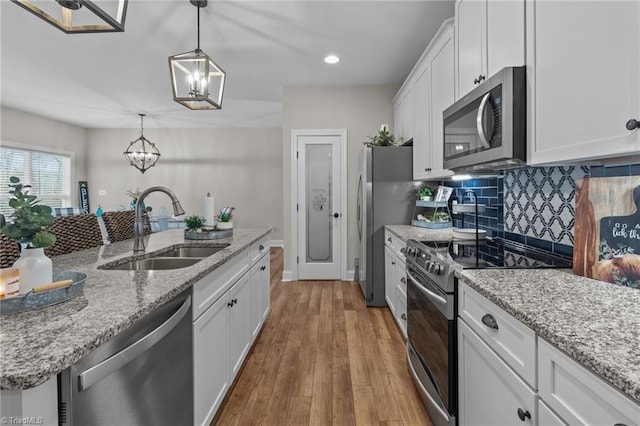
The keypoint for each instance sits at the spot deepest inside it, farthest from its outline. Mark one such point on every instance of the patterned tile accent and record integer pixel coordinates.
(539, 202)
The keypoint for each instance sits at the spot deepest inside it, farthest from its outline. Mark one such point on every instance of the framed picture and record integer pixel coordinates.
(443, 194)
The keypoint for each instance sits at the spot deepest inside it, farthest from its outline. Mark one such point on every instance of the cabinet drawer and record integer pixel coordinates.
(210, 288)
(395, 243)
(546, 416)
(401, 311)
(579, 396)
(258, 249)
(513, 341)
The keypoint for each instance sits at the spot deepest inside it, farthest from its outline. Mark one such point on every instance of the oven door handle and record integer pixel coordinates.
(428, 293)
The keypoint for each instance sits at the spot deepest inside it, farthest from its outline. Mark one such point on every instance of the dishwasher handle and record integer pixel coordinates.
(116, 361)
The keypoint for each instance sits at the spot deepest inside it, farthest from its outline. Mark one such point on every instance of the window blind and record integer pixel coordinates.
(48, 173)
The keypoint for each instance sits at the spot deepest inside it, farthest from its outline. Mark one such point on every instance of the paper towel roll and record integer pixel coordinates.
(209, 212)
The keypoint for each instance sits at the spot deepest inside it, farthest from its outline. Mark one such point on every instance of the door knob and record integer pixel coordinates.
(336, 215)
(633, 124)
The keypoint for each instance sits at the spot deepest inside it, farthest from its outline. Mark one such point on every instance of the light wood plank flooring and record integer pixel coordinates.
(323, 358)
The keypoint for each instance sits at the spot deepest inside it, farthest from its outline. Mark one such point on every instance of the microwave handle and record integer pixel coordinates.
(480, 121)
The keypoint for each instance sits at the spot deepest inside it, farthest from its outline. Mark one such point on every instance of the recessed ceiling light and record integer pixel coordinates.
(332, 59)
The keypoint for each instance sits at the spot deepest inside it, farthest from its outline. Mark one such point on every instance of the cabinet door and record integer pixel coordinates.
(211, 379)
(584, 79)
(578, 395)
(422, 136)
(442, 96)
(401, 298)
(407, 115)
(239, 324)
(490, 393)
(389, 278)
(505, 34)
(471, 39)
(546, 416)
(260, 294)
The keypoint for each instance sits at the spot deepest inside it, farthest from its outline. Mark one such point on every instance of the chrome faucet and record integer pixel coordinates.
(138, 224)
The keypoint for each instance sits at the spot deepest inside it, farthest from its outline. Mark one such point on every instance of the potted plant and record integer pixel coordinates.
(194, 223)
(224, 218)
(28, 226)
(383, 138)
(425, 193)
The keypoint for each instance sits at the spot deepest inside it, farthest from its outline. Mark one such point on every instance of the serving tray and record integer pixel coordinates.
(207, 235)
(31, 300)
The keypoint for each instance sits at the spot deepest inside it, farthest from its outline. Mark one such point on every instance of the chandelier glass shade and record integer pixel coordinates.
(197, 81)
(142, 153)
(79, 16)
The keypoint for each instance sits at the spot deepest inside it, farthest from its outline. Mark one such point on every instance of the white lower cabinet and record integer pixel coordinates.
(232, 303)
(490, 393)
(579, 396)
(546, 416)
(496, 359)
(260, 293)
(239, 324)
(395, 280)
(211, 380)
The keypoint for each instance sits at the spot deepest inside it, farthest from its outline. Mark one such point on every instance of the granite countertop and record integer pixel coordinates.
(596, 323)
(37, 345)
(408, 232)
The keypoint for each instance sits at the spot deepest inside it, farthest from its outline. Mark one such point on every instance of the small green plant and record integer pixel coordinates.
(440, 217)
(424, 191)
(194, 222)
(383, 138)
(30, 219)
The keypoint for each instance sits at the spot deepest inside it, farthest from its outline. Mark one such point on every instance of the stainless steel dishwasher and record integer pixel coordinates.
(143, 376)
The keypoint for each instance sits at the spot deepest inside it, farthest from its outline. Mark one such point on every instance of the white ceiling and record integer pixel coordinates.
(105, 80)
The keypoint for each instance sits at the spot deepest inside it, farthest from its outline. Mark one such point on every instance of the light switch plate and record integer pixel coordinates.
(102, 192)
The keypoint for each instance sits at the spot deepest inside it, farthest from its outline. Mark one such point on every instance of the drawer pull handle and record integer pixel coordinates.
(403, 280)
(403, 250)
(404, 317)
(261, 247)
(262, 268)
(393, 262)
(523, 415)
(389, 239)
(490, 321)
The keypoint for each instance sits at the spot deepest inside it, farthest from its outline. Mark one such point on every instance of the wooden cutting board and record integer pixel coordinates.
(607, 229)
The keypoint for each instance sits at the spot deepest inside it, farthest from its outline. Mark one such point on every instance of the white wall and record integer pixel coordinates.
(360, 110)
(239, 167)
(38, 131)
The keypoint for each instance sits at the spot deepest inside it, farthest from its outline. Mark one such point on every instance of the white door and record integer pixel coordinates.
(319, 204)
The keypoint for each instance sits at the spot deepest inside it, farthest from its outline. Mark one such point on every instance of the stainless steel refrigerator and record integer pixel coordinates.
(386, 196)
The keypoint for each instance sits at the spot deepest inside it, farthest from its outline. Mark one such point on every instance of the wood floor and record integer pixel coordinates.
(323, 358)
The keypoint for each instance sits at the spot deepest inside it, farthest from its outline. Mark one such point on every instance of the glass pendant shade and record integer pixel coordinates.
(142, 153)
(197, 81)
(79, 16)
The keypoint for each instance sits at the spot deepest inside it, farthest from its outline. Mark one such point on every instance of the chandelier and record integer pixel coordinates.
(142, 153)
(80, 16)
(197, 82)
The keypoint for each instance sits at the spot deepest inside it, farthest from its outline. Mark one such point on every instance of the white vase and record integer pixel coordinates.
(35, 268)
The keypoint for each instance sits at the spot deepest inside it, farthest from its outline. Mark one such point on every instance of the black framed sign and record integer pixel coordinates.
(83, 193)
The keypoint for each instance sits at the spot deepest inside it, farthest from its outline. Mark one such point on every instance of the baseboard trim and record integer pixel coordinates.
(287, 275)
(277, 243)
(350, 275)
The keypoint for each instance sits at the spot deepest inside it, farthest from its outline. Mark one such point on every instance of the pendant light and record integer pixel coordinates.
(80, 16)
(142, 153)
(197, 82)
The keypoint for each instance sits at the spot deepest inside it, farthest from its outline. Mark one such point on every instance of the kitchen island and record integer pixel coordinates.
(35, 346)
(595, 323)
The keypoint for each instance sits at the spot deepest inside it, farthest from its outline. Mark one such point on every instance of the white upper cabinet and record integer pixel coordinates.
(490, 35)
(403, 114)
(583, 78)
(433, 90)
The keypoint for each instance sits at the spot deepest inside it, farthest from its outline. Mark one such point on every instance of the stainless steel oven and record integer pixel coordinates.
(431, 330)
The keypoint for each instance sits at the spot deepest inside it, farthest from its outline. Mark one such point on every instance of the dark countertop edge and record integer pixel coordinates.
(36, 378)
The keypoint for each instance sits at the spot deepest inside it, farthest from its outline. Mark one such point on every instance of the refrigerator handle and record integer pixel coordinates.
(359, 206)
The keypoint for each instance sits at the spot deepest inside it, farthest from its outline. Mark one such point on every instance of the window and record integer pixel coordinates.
(48, 173)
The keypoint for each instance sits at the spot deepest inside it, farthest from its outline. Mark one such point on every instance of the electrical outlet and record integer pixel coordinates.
(102, 192)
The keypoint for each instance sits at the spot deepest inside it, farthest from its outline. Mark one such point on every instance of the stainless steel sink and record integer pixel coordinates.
(155, 264)
(192, 251)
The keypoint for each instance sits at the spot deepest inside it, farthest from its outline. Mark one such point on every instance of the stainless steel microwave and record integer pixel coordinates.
(486, 129)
